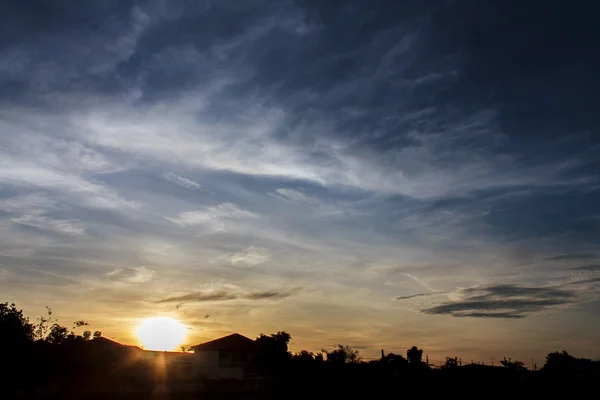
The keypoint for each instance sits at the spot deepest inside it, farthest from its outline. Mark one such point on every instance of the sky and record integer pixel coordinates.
(379, 174)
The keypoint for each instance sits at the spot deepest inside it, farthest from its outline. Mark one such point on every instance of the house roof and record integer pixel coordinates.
(102, 341)
(231, 342)
(110, 345)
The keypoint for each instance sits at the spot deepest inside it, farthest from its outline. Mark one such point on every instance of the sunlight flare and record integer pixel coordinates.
(161, 333)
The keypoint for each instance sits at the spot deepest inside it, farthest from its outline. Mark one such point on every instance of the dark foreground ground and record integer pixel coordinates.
(360, 381)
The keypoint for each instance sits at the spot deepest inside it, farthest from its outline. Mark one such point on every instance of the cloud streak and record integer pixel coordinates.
(412, 296)
(135, 275)
(65, 227)
(214, 217)
(181, 181)
(504, 301)
(569, 257)
(223, 295)
(251, 256)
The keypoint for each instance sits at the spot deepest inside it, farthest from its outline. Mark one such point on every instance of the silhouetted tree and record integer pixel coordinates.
(342, 355)
(304, 356)
(414, 355)
(87, 335)
(395, 360)
(16, 341)
(15, 329)
(275, 343)
(451, 362)
(559, 358)
(97, 335)
(58, 334)
(272, 351)
(44, 324)
(305, 362)
(559, 361)
(514, 365)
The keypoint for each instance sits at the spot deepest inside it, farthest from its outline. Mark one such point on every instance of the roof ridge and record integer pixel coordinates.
(231, 341)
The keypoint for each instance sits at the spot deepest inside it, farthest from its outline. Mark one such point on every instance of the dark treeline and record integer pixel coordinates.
(46, 360)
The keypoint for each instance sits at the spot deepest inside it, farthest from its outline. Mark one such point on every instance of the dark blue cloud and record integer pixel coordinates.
(504, 301)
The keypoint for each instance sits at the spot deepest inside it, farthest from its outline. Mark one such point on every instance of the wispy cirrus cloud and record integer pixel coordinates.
(141, 275)
(293, 195)
(181, 181)
(214, 216)
(590, 267)
(64, 185)
(31, 202)
(5, 274)
(135, 275)
(251, 256)
(573, 257)
(62, 226)
(335, 164)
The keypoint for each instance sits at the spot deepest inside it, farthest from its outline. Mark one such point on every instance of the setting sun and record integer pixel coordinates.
(161, 333)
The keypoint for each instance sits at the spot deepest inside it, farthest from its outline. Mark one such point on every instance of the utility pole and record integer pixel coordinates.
(427, 360)
(493, 361)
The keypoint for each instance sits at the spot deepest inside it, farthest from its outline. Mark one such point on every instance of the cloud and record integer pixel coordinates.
(60, 169)
(65, 185)
(114, 272)
(251, 256)
(270, 294)
(214, 217)
(412, 296)
(218, 295)
(293, 195)
(420, 282)
(194, 145)
(5, 274)
(570, 256)
(591, 267)
(68, 227)
(181, 181)
(31, 202)
(213, 214)
(499, 315)
(588, 280)
(504, 301)
(138, 275)
(200, 297)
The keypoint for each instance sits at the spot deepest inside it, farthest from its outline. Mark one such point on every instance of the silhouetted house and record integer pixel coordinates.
(110, 345)
(229, 357)
(107, 349)
(178, 366)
